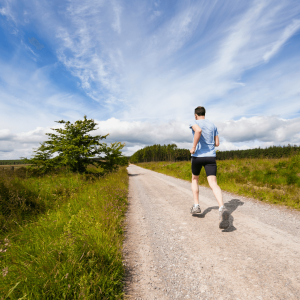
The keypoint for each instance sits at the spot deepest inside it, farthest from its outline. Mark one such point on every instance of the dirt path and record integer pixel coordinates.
(173, 255)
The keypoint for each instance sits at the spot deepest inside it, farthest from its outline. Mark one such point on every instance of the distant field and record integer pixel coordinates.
(15, 166)
(271, 180)
(11, 162)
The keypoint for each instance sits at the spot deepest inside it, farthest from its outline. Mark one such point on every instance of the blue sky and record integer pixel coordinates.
(139, 68)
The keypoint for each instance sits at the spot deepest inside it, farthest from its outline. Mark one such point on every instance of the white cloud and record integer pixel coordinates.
(176, 32)
(244, 133)
(3, 11)
(6, 148)
(128, 151)
(144, 133)
(155, 14)
(5, 134)
(174, 84)
(28, 98)
(117, 12)
(199, 52)
(288, 32)
(30, 50)
(6, 11)
(270, 129)
(33, 136)
(265, 129)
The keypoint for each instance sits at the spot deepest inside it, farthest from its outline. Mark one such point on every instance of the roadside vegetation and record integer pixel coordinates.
(71, 146)
(61, 235)
(61, 218)
(271, 180)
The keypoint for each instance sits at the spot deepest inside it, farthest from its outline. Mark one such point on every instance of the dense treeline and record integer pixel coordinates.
(270, 152)
(172, 153)
(160, 153)
(13, 162)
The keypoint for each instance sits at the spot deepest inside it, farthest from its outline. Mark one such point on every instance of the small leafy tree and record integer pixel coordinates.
(113, 156)
(73, 147)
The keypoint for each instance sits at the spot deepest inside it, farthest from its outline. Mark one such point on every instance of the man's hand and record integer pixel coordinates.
(193, 150)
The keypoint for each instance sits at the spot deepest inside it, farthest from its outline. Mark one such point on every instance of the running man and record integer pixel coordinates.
(204, 155)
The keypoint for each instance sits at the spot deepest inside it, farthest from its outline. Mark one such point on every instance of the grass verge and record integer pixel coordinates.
(70, 246)
(271, 180)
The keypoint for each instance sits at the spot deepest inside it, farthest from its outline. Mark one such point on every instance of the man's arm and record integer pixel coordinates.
(197, 135)
(217, 142)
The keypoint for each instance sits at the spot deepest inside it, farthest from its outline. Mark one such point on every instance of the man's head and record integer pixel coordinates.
(200, 112)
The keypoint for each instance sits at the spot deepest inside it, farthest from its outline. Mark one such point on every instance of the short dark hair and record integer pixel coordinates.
(200, 111)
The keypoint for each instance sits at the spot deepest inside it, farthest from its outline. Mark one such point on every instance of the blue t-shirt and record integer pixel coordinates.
(206, 144)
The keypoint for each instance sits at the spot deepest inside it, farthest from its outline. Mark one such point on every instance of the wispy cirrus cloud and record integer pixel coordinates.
(144, 65)
(189, 56)
(289, 31)
(5, 10)
(116, 25)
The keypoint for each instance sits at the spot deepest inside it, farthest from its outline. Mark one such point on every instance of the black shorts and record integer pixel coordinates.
(209, 164)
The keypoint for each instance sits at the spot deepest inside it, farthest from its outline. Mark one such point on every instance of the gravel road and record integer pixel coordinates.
(170, 254)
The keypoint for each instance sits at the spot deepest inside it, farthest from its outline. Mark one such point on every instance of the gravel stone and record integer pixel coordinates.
(170, 254)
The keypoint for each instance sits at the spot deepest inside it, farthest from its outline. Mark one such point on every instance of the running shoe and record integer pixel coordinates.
(195, 209)
(224, 218)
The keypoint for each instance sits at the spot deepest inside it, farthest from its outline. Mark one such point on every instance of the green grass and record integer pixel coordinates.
(271, 180)
(67, 236)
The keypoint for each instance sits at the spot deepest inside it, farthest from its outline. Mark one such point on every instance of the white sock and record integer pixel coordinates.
(195, 205)
(220, 209)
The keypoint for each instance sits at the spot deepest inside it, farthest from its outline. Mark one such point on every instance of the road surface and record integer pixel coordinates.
(170, 254)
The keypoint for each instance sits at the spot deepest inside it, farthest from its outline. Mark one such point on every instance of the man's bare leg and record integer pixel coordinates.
(223, 212)
(212, 181)
(195, 188)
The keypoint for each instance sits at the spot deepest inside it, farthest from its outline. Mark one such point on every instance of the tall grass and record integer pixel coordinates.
(23, 196)
(66, 242)
(271, 180)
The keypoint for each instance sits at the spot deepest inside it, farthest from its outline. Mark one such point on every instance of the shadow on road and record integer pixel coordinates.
(206, 211)
(134, 174)
(232, 205)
